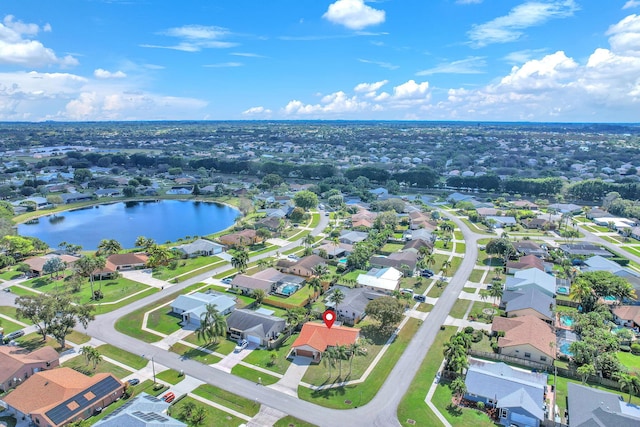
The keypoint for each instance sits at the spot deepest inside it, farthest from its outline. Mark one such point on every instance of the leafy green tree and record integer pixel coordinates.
(458, 387)
(17, 247)
(67, 316)
(82, 175)
(585, 371)
(305, 199)
(630, 382)
(259, 296)
(187, 410)
(53, 265)
(39, 309)
(240, 259)
(87, 266)
(386, 310)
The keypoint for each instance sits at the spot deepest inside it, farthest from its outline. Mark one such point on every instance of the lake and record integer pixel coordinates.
(165, 220)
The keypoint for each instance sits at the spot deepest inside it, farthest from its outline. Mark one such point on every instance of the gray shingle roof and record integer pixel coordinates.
(529, 298)
(258, 323)
(591, 407)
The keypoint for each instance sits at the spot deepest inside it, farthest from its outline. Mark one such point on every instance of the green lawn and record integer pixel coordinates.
(9, 326)
(437, 289)
(253, 375)
(78, 337)
(192, 353)
(224, 346)
(456, 415)
(11, 312)
(113, 290)
(483, 345)
(79, 363)
(479, 316)
(106, 308)
(214, 417)
(33, 341)
(561, 391)
(424, 307)
(232, 401)
(469, 290)
(262, 358)
(460, 248)
(185, 266)
(170, 376)
(460, 308)
(164, 320)
(390, 248)
(298, 299)
(458, 235)
(356, 395)
(412, 406)
(136, 361)
(630, 361)
(476, 276)
(10, 275)
(17, 290)
(290, 421)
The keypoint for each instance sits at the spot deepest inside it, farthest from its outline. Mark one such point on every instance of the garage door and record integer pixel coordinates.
(254, 339)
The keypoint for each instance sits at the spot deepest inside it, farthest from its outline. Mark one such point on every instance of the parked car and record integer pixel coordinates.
(134, 381)
(406, 291)
(427, 273)
(169, 397)
(242, 344)
(227, 280)
(420, 298)
(293, 257)
(13, 336)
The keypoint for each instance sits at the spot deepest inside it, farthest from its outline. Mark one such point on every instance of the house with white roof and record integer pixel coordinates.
(381, 279)
(192, 306)
(200, 247)
(532, 277)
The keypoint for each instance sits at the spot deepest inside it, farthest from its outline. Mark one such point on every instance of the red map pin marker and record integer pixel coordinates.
(329, 317)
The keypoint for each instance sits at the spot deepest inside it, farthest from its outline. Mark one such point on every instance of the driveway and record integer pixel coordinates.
(293, 377)
(144, 276)
(233, 358)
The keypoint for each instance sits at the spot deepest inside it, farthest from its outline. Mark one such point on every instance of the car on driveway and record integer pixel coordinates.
(169, 397)
(293, 257)
(242, 344)
(133, 381)
(406, 291)
(13, 336)
(420, 298)
(426, 273)
(227, 280)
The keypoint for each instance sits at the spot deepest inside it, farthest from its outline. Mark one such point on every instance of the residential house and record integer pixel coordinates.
(458, 197)
(181, 189)
(419, 220)
(305, 266)
(403, 261)
(529, 301)
(563, 208)
(334, 251)
(362, 224)
(525, 262)
(192, 306)
(621, 225)
(108, 192)
(524, 204)
(596, 213)
(353, 308)
(200, 247)
(18, 364)
(532, 277)
(384, 280)
(60, 396)
(501, 221)
(315, 338)
(584, 249)
(36, 264)
(591, 407)
(539, 224)
(518, 395)
(419, 234)
(68, 198)
(599, 263)
(527, 247)
(627, 315)
(142, 410)
(241, 238)
(483, 213)
(39, 202)
(635, 233)
(416, 244)
(247, 284)
(379, 192)
(526, 337)
(352, 237)
(121, 262)
(271, 223)
(257, 327)
(364, 214)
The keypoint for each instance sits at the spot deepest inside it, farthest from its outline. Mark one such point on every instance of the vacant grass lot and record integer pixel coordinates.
(33, 341)
(630, 361)
(290, 421)
(185, 266)
(136, 361)
(113, 290)
(224, 346)
(10, 275)
(192, 353)
(79, 363)
(412, 406)
(232, 401)
(9, 326)
(356, 395)
(11, 312)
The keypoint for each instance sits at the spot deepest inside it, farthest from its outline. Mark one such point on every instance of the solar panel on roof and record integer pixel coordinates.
(101, 389)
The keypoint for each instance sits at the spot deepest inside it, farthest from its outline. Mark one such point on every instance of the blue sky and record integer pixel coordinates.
(498, 60)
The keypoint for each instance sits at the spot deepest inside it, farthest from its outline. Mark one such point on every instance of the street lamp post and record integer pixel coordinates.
(153, 368)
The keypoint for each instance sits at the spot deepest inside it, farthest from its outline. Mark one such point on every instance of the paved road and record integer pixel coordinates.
(592, 238)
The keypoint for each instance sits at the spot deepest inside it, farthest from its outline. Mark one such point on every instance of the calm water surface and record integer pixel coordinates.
(125, 221)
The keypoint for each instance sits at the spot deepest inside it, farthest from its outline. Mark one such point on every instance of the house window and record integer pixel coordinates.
(527, 355)
(543, 358)
(503, 413)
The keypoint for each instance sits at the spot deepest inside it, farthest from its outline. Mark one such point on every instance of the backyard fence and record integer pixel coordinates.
(510, 359)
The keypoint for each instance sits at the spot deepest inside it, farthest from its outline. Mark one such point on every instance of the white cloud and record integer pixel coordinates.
(224, 65)
(369, 87)
(63, 96)
(471, 65)
(254, 111)
(625, 35)
(522, 56)
(630, 4)
(194, 38)
(15, 49)
(104, 74)
(353, 14)
(386, 65)
(510, 27)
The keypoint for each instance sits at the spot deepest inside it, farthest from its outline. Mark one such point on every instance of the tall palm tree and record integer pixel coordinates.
(87, 266)
(336, 297)
(430, 260)
(630, 382)
(446, 265)
(458, 387)
(315, 284)
(264, 263)
(328, 357)
(108, 247)
(240, 260)
(582, 292)
(496, 291)
(259, 295)
(342, 353)
(159, 255)
(355, 349)
(309, 240)
(212, 325)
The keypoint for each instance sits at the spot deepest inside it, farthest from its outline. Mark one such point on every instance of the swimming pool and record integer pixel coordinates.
(563, 290)
(288, 289)
(564, 349)
(342, 260)
(566, 321)
(610, 298)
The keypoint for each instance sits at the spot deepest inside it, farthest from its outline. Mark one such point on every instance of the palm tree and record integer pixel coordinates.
(87, 352)
(108, 247)
(446, 265)
(355, 349)
(336, 297)
(341, 353)
(430, 260)
(320, 270)
(259, 296)
(328, 356)
(309, 240)
(458, 387)
(315, 284)
(424, 251)
(159, 255)
(144, 242)
(212, 325)
(87, 266)
(264, 263)
(582, 292)
(187, 409)
(630, 382)
(293, 318)
(240, 260)
(496, 291)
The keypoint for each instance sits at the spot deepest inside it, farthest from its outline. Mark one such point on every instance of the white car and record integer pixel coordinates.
(241, 345)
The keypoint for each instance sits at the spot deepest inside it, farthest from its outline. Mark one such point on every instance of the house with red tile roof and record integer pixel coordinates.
(527, 261)
(36, 263)
(241, 238)
(63, 395)
(315, 338)
(122, 262)
(527, 338)
(18, 364)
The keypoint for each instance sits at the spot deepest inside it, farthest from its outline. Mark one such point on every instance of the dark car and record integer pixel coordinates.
(420, 298)
(134, 381)
(427, 273)
(13, 336)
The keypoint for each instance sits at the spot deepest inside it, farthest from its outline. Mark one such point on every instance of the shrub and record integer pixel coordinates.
(480, 406)
(635, 348)
(477, 336)
(625, 348)
(494, 346)
(468, 330)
